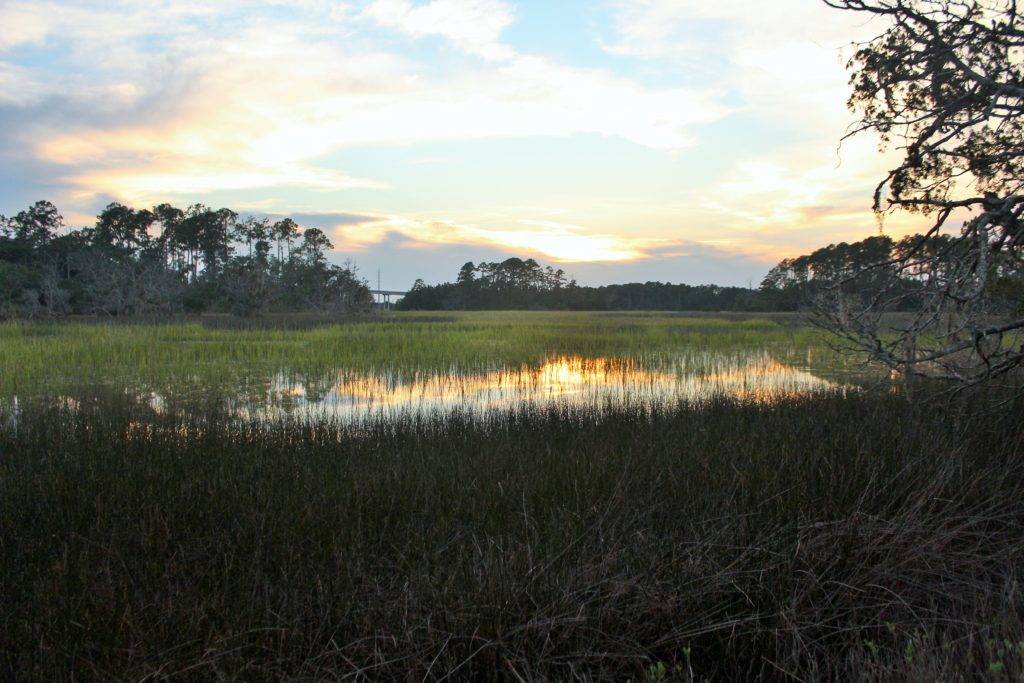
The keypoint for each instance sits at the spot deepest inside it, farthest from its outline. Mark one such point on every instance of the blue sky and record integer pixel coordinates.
(622, 140)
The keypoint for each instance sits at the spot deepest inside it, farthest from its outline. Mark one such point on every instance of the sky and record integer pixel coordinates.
(621, 140)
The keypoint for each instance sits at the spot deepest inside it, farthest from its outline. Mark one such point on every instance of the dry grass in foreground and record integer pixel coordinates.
(830, 537)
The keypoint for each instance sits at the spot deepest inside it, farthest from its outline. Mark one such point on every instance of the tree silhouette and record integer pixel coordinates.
(944, 85)
(164, 261)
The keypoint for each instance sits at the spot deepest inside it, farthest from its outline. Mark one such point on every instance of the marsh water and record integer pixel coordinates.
(564, 380)
(560, 380)
(171, 375)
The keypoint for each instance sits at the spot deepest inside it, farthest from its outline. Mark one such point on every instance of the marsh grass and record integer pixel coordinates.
(44, 358)
(832, 536)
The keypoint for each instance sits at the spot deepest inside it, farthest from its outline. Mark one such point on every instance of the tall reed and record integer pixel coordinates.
(832, 536)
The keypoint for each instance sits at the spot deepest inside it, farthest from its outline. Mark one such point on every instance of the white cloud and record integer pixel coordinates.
(784, 62)
(262, 104)
(474, 26)
(785, 204)
(558, 242)
(785, 58)
(20, 25)
(655, 28)
(161, 99)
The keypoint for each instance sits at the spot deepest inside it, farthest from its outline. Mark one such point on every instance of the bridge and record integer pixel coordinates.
(384, 300)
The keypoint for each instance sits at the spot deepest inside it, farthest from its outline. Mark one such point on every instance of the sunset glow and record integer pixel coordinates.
(686, 140)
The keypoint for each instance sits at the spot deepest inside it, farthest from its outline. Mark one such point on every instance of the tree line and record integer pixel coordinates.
(517, 283)
(890, 275)
(861, 269)
(165, 261)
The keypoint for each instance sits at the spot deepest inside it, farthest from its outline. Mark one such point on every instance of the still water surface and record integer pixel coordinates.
(564, 380)
(561, 380)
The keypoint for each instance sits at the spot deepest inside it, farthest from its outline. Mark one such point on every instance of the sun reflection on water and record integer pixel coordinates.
(592, 384)
(572, 380)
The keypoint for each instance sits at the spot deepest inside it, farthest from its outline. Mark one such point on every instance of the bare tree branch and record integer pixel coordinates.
(944, 85)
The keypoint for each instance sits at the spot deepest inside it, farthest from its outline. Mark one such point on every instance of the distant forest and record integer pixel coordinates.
(859, 268)
(165, 261)
(524, 284)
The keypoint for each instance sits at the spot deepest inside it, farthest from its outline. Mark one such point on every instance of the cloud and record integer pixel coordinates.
(392, 242)
(474, 26)
(170, 100)
(656, 28)
(401, 261)
(683, 262)
(790, 75)
(259, 103)
(19, 25)
(784, 204)
(560, 242)
(791, 69)
(332, 220)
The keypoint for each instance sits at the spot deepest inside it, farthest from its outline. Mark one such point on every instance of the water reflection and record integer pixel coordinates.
(573, 380)
(354, 396)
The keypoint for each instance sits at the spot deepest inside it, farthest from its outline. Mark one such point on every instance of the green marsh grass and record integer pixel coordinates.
(46, 357)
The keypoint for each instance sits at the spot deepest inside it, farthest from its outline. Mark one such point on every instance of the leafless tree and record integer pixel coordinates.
(942, 84)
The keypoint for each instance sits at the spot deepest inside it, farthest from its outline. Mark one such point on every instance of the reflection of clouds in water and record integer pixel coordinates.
(570, 380)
